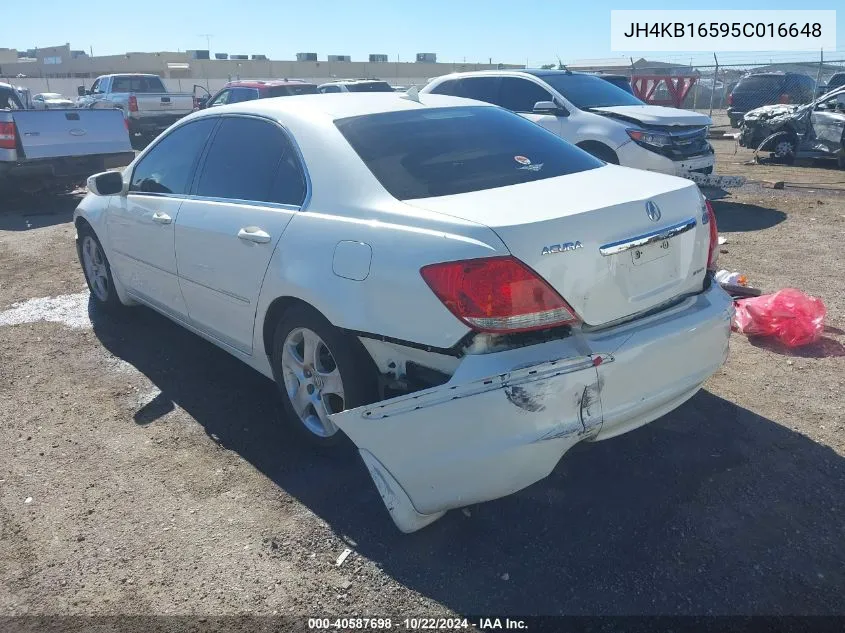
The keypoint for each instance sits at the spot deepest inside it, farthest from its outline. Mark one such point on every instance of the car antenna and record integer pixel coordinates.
(562, 66)
(412, 94)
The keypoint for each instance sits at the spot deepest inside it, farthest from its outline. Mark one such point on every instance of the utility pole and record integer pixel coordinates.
(819, 74)
(715, 77)
(207, 37)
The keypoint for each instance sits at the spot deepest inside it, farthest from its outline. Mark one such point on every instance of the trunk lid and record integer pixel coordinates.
(656, 115)
(578, 232)
(79, 132)
(157, 102)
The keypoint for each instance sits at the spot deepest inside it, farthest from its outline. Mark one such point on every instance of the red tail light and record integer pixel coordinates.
(713, 252)
(784, 98)
(133, 103)
(731, 99)
(497, 294)
(8, 135)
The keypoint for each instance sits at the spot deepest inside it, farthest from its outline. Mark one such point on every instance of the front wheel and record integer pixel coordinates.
(319, 371)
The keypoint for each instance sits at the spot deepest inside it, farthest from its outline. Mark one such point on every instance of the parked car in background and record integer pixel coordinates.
(759, 89)
(595, 115)
(398, 267)
(814, 130)
(149, 107)
(247, 90)
(837, 80)
(48, 100)
(54, 150)
(356, 85)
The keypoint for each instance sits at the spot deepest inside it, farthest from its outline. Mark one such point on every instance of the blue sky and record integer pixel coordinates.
(454, 29)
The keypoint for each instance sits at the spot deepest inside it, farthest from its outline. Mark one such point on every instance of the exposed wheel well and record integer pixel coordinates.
(274, 313)
(81, 222)
(600, 150)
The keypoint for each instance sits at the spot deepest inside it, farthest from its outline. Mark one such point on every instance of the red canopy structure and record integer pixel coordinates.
(665, 90)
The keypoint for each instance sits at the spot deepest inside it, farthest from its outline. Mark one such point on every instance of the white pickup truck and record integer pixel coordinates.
(149, 107)
(56, 150)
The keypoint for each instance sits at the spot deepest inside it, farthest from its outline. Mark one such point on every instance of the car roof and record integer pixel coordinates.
(269, 83)
(355, 81)
(339, 106)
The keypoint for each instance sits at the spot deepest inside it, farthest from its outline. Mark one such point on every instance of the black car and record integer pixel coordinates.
(620, 81)
(761, 89)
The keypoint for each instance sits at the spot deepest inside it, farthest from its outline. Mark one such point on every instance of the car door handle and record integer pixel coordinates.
(162, 218)
(254, 234)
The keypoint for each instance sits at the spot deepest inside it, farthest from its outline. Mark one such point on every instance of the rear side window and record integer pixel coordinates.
(520, 95)
(289, 91)
(168, 166)
(370, 86)
(479, 88)
(252, 159)
(243, 94)
(327, 89)
(443, 151)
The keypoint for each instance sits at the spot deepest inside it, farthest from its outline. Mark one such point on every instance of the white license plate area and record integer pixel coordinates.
(648, 253)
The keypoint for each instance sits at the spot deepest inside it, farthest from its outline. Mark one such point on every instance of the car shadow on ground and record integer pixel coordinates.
(24, 213)
(712, 509)
(739, 217)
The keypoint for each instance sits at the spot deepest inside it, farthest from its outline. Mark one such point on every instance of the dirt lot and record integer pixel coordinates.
(144, 471)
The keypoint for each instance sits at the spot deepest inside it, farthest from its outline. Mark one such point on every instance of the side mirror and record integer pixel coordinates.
(550, 107)
(107, 183)
(81, 91)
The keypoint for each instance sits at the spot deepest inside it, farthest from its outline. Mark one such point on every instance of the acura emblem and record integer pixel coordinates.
(77, 131)
(652, 211)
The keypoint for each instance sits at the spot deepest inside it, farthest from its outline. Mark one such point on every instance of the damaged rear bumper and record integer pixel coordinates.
(504, 419)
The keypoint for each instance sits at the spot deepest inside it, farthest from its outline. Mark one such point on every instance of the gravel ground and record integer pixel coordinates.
(144, 471)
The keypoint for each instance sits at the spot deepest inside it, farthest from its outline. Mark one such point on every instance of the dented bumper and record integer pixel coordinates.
(504, 419)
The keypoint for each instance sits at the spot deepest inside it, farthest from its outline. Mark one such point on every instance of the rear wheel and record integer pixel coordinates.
(319, 371)
(97, 270)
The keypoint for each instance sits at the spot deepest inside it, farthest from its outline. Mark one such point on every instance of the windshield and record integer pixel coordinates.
(589, 91)
(137, 84)
(444, 151)
(370, 86)
(291, 90)
(759, 82)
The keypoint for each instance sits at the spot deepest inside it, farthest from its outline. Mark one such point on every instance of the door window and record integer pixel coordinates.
(480, 88)
(326, 89)
(168, 166)
(252, 159)
(221, 99)
(243, 94)
(520, 95)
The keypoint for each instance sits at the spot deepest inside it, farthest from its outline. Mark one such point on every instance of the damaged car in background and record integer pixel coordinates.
(459, 293)
(810, 131)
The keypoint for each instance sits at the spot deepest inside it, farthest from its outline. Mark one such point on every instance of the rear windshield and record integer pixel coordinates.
(137, 84)
(759, 82)
(443, 151)
(370, 86)
(589, 91)
(289, 91)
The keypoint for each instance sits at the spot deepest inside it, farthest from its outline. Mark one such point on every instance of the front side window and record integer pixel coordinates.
(520, 95)
(444, 151)
(589, 91)
(326, 89)
(292, 90)
(221, 99)
(479, 88)
(168, 166)
(252, 159)
(243, 94)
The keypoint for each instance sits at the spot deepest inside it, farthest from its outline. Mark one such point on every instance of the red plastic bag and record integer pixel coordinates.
(794, 318)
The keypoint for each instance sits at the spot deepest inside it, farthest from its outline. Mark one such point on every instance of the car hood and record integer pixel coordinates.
(58, 101)
(655, 115)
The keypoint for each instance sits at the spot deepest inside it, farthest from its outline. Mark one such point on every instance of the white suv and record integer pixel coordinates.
(594, 114)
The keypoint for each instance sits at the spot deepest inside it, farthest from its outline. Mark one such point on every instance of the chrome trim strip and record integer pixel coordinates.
(648, 238)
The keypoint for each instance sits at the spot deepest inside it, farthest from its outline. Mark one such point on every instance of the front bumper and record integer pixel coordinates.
(632, 155)
(504, 419)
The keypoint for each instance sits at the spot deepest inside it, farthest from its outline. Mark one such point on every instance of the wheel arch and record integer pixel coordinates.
(602, 148)
(274, 313)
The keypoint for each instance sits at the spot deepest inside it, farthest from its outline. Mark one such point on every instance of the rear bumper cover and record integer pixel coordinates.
(505, 419)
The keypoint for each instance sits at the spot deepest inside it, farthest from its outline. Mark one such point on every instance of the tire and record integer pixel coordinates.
(601, 151)
(338, 375)
(97, 270)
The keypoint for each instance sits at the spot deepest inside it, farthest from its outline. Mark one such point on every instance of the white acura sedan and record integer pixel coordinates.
(460, 292)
